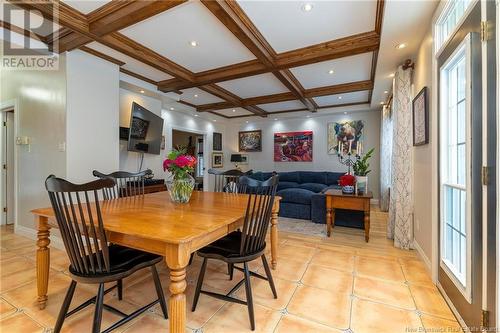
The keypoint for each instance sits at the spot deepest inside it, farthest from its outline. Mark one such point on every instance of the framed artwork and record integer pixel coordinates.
(341, 134)
(217, 141)
(250, 141)
(244, 159)
(293, 146)
(217, 160)
(420, 118)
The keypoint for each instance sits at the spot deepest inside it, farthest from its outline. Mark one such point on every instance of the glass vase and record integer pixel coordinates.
(180, 189)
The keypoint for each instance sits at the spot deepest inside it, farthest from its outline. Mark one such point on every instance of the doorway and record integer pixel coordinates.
(8, 168)
(193, 143)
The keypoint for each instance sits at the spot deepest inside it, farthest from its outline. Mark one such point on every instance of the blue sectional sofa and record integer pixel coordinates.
(302, 196)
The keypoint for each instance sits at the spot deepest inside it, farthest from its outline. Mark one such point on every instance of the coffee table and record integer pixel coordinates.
(335, 199)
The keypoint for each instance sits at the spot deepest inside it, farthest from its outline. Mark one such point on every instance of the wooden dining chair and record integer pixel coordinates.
(241, 247)
(92, 260)
(127, 184)
(226, 181)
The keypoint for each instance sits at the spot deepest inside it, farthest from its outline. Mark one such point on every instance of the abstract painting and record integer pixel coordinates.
(420, 119)
(344, 132)
(250, 140)
(293, 146)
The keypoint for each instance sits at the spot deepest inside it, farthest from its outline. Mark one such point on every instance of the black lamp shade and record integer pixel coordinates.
(236, 158)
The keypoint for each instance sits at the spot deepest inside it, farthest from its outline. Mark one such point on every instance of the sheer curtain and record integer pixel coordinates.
(385, 157)
(400, 226)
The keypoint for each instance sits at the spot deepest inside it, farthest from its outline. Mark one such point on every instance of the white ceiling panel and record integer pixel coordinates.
(252, 86)
(348, 69)
(286, 26)
(353, 97)
(131, 64)
(16, 17)
(171, 32)
(86, 6)
(281, 106)
(234, 112)
(197, 96)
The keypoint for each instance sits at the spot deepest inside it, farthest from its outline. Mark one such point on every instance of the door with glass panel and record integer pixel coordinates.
(460, 160)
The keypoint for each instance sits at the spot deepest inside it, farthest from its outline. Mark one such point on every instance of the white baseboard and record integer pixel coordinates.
(422, 255)
(374, 201)
(453, 308)
(30, 233)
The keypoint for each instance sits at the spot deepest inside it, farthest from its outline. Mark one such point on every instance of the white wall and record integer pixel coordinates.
(263, 161)
(91, 116)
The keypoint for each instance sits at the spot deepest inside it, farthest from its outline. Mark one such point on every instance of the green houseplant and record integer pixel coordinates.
(361, 170)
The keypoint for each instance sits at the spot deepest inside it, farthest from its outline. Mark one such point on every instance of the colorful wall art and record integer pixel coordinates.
(293, 146)
(250, 140)
(344, 136)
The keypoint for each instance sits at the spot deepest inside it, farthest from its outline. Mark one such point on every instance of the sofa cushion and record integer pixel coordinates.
(289, 177)
(261, 176)
(332, 178)
(295, 195)
(313, 177)
(285, 185)
(314, 187)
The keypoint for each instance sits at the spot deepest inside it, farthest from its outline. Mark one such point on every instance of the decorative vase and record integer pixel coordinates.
(348, 189)
(180, 189)
(361, 184)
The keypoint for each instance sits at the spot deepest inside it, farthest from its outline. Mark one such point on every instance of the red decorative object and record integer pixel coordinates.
(347, 180)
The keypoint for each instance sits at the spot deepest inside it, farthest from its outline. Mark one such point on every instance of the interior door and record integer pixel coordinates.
(9, 180)
(460, 162)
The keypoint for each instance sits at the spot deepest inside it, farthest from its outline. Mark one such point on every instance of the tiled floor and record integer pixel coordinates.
(341, 284)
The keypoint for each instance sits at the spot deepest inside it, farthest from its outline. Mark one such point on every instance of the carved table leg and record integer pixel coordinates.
(42, 260)
(328, 221)
(177, 258)
(274, 240)
(367, 226)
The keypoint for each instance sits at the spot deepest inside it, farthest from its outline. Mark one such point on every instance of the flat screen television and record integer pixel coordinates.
(145, 132)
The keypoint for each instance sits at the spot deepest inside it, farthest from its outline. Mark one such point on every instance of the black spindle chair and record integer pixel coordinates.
(226, 181)
(127, 184)
(245, 245)
(92, 260)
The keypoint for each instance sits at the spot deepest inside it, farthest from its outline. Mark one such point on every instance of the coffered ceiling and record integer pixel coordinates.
(232, 58)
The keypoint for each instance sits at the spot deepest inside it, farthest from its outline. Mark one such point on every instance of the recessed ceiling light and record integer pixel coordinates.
(307, 7)
(142, 91)
(246, 121)
(275, 119)
(193, 43)
(171, 109)
(308, 116)
(340, 97)
(195, 95)
(401, 46)
(386, 92)
(391, 75)
(234, 110)
(345, 112)
(196, 115)
(215, 120)
(381, 103)
(330, 71)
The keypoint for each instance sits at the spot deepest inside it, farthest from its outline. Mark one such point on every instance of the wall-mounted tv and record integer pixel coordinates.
(145, 132)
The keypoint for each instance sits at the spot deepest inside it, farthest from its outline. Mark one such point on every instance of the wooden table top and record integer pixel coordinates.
(155, 216)
(338, 193)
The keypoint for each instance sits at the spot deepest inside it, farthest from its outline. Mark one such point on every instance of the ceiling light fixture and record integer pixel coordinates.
(196, 115)
(401, 46)
(330, 71)
(193, 43)
(307, 7)
(275, 119)
(345, 112)
(234, 110)
(340, 97)
(381, 103)
(246, 121)
(391, 75)
(195, 96)
(142, 91)
(215, 119)
(171, 109)
(386, 92)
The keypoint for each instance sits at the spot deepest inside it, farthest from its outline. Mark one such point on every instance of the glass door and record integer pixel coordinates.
(460, 161)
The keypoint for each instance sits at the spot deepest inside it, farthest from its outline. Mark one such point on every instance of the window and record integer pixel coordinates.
(449, 20)
(455, 170)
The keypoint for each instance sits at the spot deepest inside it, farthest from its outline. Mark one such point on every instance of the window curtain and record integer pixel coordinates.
(400, 226)
(385, 157)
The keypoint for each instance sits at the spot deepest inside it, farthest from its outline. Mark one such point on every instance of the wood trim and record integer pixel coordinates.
(71, 41)
(379, 16)
(27, 33)
(230, 97)
(339, 88)
(187, 103)
(138, 76)
(102, 56)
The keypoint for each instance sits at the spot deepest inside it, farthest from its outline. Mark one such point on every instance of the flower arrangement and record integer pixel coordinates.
(347, 182)
(180, 183)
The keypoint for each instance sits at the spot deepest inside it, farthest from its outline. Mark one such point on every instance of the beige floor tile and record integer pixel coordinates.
(17, 242)
(218, 281)
(59, 260)
(6, 308)
(328, 278)
(430, 301)
(234, 318)
(263, 295)
(6, 255)
(18, 278)
(295, 252)
(369, 317)
(293, 324)
(415, 272)
(150, 323)
(206, 308)
(339, 260)
(288, 269)
(15, 265)
(379, 268)
(392, 293)
(20, 322)
(323, 306)
(435, 324)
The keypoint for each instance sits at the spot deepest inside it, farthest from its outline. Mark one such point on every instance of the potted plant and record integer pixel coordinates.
(361, 171)
(180, 183)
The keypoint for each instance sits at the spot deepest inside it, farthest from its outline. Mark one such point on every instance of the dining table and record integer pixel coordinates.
(153, 223)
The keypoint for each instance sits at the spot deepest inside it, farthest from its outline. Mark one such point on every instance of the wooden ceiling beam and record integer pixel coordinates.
(339, 88)
(231, 98)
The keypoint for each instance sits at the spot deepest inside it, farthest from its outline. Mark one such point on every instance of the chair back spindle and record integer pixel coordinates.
(226, 181)
(258, 212)
(127, 184)
(78, 215)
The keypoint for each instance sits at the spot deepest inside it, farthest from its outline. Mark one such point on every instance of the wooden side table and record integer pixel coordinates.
(336, 199)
